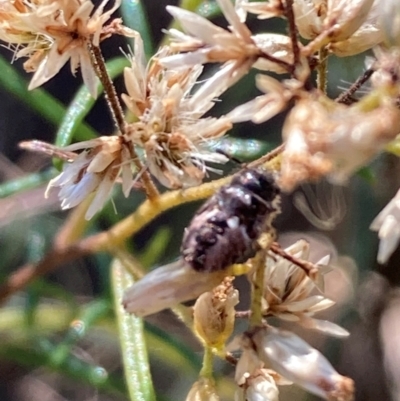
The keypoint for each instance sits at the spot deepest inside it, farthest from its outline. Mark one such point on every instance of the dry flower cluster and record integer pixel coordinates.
(175, 138)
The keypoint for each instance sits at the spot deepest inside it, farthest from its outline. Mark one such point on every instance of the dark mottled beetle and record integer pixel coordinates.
(225, 229)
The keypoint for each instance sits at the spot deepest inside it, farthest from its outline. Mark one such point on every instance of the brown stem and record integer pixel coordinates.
(322, 69)
(231, 359)
(287, 66)
(309, 268)
(117, 113)
(346, 97)
(28, 272)
(268, 157)
(292, 31)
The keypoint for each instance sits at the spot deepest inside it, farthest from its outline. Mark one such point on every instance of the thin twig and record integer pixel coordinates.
(268, 157)
(322, 69)
(99, 66)
(28, 272)
(346, 97)
(257, 288)
(287, 66)
(309, 268)
(231, 359)
(292, 32)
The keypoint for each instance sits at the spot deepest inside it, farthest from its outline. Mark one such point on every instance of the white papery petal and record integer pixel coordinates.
(347, 15)
(308, 19)
(73, 195)
(88, 75)
(102, 194)
(297, 361)
(310, 302)
(44, 73)
(185, 59)
(324, 326)
(232, 17)
(195, 25)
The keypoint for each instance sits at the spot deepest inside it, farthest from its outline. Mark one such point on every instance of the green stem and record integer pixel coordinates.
(134, 353)
(135, 17)
(257, 289)
(93, 312)
(208, 359)
(190, 5)
(26, 182)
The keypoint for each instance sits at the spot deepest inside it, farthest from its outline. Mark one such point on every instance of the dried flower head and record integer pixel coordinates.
(170, 128)
(346, 27)
(94, 170)
(203, 42)
(214, 314)
(51, 32)
(368, 35)
(288, 291)
(326, 137)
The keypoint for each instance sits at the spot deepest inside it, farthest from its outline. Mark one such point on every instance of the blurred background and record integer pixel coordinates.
(59, 338)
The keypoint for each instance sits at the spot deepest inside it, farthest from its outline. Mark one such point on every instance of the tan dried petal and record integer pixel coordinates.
(214, 314)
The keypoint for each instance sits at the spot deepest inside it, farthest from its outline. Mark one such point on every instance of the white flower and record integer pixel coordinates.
(208, 42)
(387, 223)
(170, 128)
(95, 170)
(288, 291)
(203, 42)
(291, 360)
(51, 32)
(297, 361)
(264, 107)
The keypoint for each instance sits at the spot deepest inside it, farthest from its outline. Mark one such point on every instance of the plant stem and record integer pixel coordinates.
(292, 32)
(257, 289)
(322, 69)
(346, 97)
(134, 352)
(207, 368)
(99, 66)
